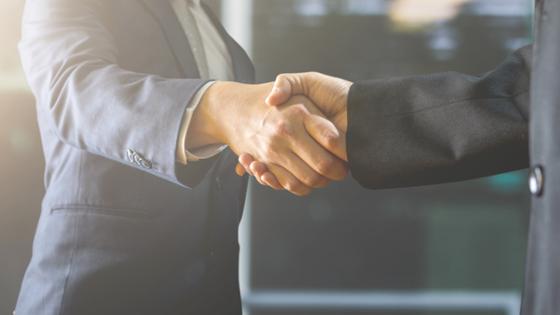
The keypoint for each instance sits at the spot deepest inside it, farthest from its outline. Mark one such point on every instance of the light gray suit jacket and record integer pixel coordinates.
(124, 229)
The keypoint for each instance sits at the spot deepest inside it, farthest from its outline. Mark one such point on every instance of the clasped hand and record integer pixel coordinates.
(308, 99)
(299, 147)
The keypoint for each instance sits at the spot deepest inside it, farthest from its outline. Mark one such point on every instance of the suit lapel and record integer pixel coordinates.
(163, 13)
(243, 68)
(242, 64)
(177, 40)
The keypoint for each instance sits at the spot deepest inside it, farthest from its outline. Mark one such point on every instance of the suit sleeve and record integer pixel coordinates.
(71, 63)
(440, 128)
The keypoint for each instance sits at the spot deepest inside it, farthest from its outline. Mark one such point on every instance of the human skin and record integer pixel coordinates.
(281, 136)
(330, 96)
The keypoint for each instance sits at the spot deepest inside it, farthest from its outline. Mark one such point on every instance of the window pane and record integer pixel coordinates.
(464, 237)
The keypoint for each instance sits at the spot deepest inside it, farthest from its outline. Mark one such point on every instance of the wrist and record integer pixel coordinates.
(224, 108)
(204, 126)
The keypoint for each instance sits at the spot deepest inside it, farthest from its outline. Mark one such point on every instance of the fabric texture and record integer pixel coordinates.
(541, 295)
(124, 229)
(440, 128)
(213, 61)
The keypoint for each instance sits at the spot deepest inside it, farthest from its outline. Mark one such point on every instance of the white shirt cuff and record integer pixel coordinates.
(183, 155)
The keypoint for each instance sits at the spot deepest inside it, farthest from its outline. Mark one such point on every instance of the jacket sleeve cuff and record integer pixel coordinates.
(183, 154)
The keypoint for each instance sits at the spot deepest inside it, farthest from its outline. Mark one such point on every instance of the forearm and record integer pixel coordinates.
(204, 128)
(89, 101)
(225, 109)
(235, 114)
(440, 128)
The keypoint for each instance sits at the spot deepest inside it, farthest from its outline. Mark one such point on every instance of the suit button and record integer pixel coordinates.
(536, 181)
(144, 163)
(130, 155)
(135, 158)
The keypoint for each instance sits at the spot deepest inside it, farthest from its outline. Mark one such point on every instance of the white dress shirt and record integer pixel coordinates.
(213, 61)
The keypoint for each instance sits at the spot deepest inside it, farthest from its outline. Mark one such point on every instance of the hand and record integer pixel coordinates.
(329, 93)
(235, 114)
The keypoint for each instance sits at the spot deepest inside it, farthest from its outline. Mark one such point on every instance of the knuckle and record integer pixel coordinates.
(304, 192)
(297, 187)
(312, 73)
(330, 139)
(291, 186)
(269, 150)
(324, 166)
(282, 77)
(281, 129)
(314, 180)
(258, 172)
(299, 109)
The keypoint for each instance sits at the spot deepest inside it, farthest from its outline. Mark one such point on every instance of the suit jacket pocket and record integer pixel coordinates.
(82, 209)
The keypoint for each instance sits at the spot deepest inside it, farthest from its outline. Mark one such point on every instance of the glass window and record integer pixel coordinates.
(447, 249)
(11, 76)
(21, 164)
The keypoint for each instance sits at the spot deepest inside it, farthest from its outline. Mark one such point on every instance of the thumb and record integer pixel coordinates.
(285, 86)
(327, 135)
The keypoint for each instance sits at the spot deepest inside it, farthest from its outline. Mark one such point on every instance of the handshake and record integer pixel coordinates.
(289, 135)
(314, 129)
(300, 144)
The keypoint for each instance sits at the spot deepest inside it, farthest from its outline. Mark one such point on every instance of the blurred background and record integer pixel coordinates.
(446, 249)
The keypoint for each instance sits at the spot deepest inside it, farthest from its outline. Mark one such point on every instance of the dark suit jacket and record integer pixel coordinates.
(439, 128)
(124, 229)
(449, 127)
(542, 280)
